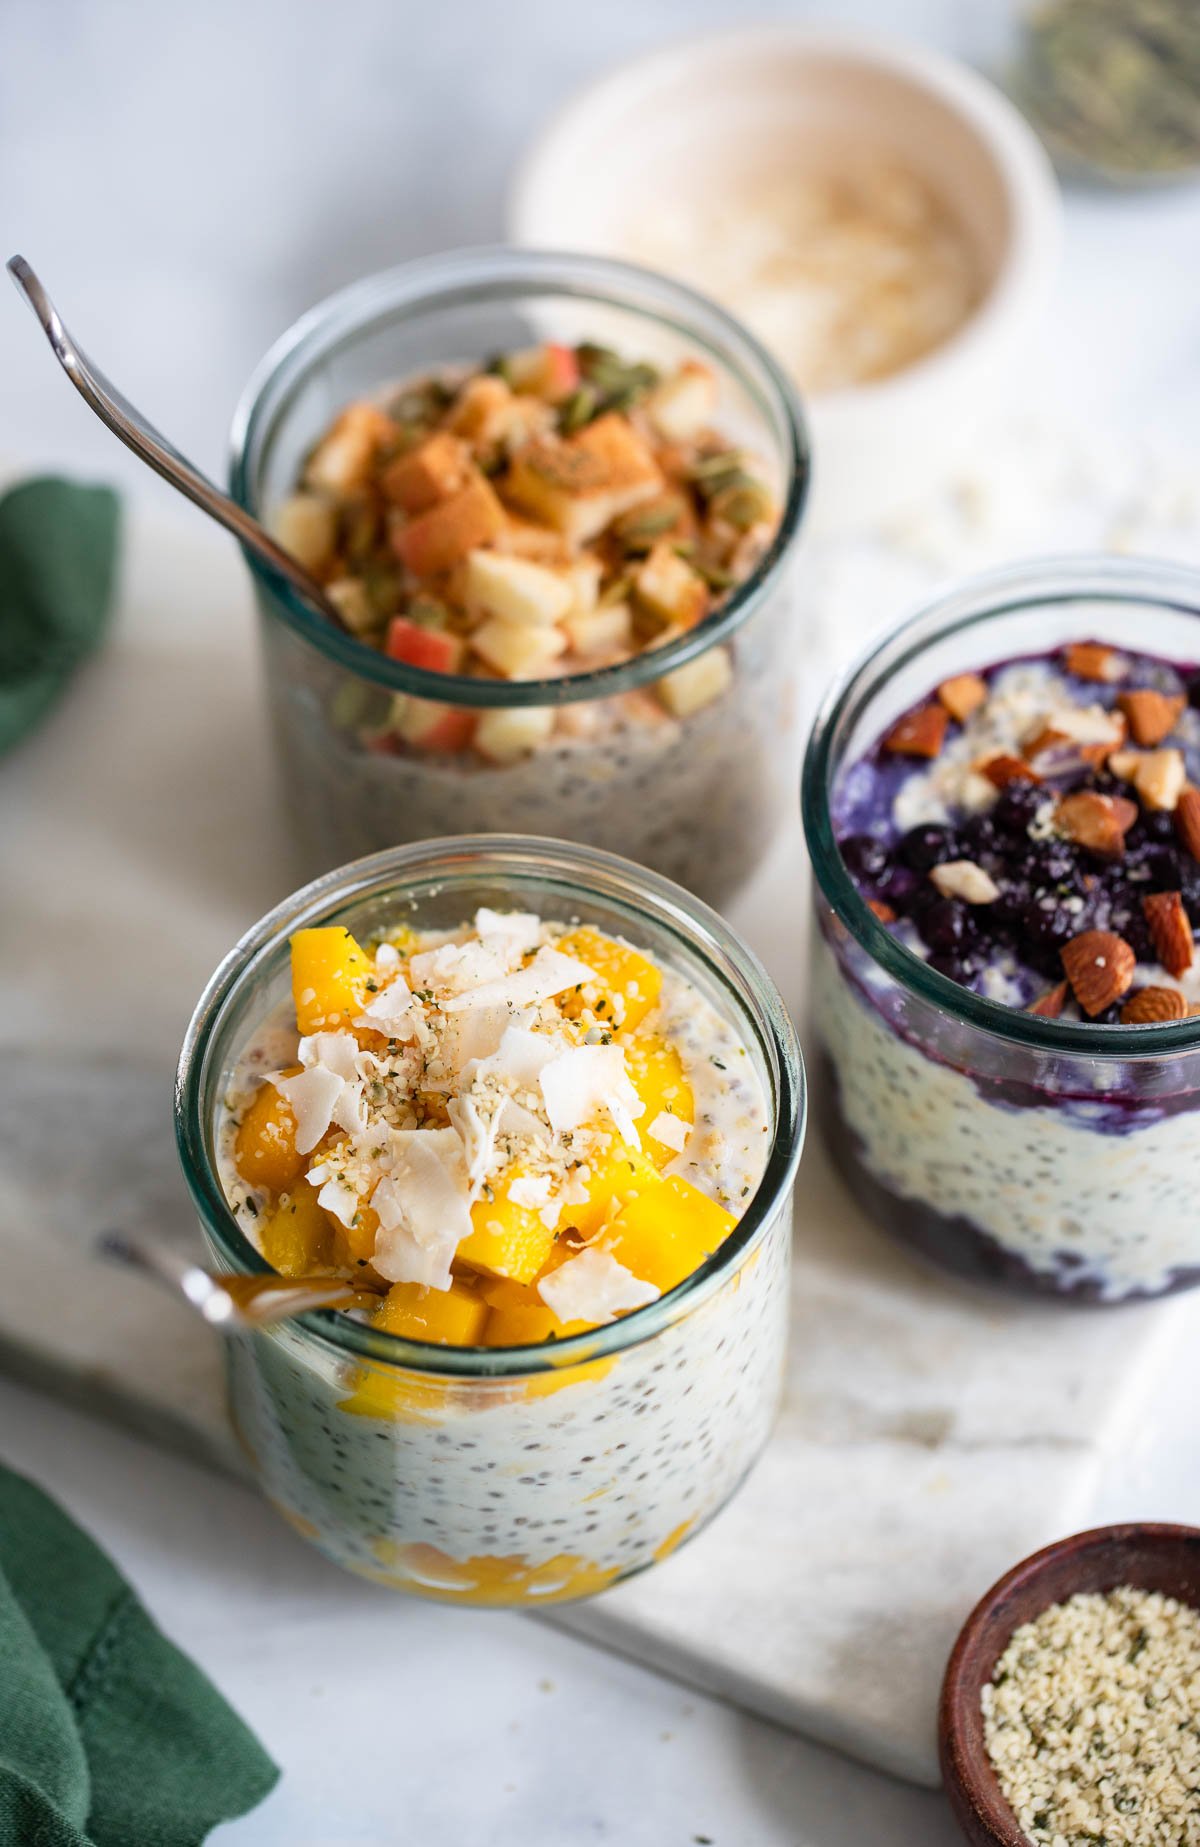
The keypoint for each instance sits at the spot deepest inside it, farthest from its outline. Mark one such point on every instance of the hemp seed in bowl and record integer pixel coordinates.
(1092, 1722)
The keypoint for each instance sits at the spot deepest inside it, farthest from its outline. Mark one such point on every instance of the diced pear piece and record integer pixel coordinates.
(683, 405)
(606, 630)
(344, 458)
(433, 471)
(517, 590)
(507, 736)
(483, 409)
(306, 526)
(696, 684)
(518, 653)
(669, 588)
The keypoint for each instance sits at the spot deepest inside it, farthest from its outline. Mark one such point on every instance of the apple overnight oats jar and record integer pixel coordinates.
(556, 499)
(1005, 836)
(547, 1112)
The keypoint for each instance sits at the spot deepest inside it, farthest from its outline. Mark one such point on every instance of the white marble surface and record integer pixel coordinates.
(292, 151)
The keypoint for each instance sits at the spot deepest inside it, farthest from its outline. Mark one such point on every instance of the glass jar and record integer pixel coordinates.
(522, 1475)
(1058, 1156)
(697, 798)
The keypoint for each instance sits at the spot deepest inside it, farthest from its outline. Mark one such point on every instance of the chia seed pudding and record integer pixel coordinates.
(562, 568)
(1010, 1080)
(524, 1141)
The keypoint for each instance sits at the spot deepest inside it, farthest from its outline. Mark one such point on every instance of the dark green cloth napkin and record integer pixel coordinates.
(109, 1737)
(58, 561)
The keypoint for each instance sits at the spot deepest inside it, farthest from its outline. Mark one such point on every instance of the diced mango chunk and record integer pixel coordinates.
(296, 1238)
(264, 1151)
(525, 1324)
(629, 985)
(612, 1178)
(451, 1317)
(656, 1073)
(508, 1240)
(665, 1232)
(328, 972)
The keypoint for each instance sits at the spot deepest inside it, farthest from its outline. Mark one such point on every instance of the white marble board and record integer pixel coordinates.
(930, 1435)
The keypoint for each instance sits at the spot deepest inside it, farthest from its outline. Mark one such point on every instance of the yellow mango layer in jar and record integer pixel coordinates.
(485, 1130)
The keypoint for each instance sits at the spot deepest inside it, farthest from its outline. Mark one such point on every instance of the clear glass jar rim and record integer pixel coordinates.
(1006, 591)
(478, 274)
(581, 869)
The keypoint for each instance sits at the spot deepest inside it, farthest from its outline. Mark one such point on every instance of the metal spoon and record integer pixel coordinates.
(233, 1304)
(124, 421)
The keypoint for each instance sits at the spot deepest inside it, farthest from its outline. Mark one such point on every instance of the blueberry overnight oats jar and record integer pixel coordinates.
(481, 1427)
(666, 730)
(1005, 837)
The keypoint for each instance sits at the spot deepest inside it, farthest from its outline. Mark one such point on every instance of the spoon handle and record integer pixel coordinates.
(232, 1304)
(114, 409)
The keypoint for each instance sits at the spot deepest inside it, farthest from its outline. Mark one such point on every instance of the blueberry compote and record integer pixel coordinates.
(1031, 831)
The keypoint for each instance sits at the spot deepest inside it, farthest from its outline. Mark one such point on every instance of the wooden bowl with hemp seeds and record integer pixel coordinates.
(1070, 1710)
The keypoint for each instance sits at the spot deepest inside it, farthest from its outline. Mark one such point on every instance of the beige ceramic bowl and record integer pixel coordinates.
(660, 130)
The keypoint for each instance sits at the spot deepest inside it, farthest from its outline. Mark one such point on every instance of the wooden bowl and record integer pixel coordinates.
(1149, 1557)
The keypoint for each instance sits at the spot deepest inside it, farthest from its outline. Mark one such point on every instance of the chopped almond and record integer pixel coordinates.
(1187, 821)
(1152, 716)
(1124, 764)
(918, 734)
(1049, 1005)
(1160, 778)
(1002, 769)
(1153, 1005)
(962, 878)
(1170, 930)
(1092, 660)
(962, 695)
(884, 912)
(1097, 822)
(1099, 965)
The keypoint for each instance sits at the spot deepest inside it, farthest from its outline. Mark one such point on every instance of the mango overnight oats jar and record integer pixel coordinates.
(547, 1111)
(557, 500)
(1001, 809)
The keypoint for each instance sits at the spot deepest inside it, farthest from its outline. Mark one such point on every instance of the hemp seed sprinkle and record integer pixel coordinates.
(1092, 1722)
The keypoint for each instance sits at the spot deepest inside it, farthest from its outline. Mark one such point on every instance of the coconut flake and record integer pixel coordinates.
(522, 926)
(387, 957)
(395, 1012)
(337, 1052)
(581, 1082)
(312, 1096)
(672, 1131)
(457, 968)
(549, 973)
(594, 1287)
(423, 1207)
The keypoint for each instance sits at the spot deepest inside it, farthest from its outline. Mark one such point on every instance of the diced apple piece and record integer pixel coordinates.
(437, 540)
(344, 458)
(668, 587)
(628, 984)
(606, 630)
(306, 526)
(264, 1150)
(507, 736)
(517, 590)
(427, 725)
(518, 653)
(328, 973)
(550, 370)
(682, 405)
(580, 486)
(418, 645)
(526, 538)
(696, 684)
(451, 1317)
(350, 598)
(429, 473)
(585, 576)
(482, 411)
